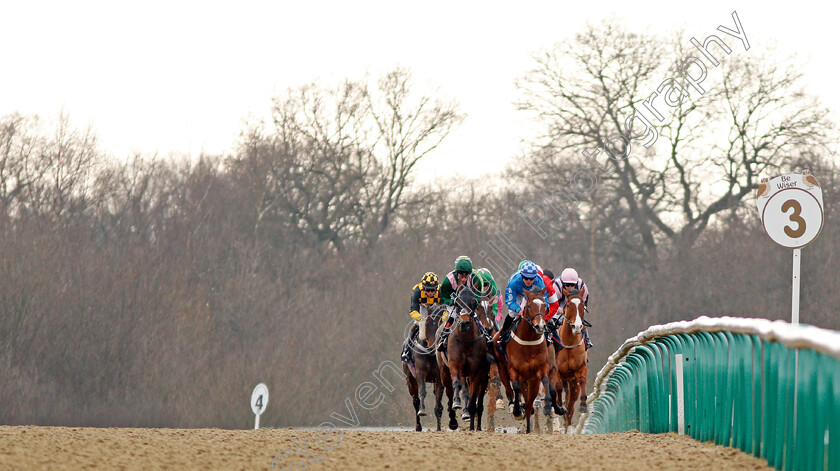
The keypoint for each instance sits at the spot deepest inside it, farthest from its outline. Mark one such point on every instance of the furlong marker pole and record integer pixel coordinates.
(794, 316)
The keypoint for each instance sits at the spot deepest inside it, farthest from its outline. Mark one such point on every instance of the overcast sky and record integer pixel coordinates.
(182, 77)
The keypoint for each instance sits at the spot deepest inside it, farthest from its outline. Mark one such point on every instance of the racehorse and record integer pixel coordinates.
(527, 358)
(484, 314)
(572, 355)
(425, 370)
(466, 367)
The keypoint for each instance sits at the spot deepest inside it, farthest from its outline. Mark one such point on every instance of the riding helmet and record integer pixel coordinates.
(429, 281)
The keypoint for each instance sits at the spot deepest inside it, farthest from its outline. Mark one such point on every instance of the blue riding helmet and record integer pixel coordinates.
(529, 270)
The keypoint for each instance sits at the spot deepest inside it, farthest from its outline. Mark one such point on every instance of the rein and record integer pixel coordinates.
(538, 341)
(566, 321)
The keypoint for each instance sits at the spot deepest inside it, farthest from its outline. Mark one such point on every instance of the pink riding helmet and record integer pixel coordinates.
(569, 275)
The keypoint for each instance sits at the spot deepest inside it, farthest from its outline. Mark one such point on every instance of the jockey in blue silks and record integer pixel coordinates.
(526, 279)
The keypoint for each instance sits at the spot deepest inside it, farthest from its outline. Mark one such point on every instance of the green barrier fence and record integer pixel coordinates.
(771, 389)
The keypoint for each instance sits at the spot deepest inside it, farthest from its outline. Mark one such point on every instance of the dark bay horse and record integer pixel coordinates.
(466, 365)
(572, 355)
(425, 370)
(527, 358)
(484, 313)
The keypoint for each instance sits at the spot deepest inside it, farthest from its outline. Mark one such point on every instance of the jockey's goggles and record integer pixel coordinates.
(528, 277)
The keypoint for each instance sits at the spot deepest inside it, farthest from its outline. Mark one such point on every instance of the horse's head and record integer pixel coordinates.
(534, 310)
(573, 313)
(466, 303)
(483, 311)
(431, 324)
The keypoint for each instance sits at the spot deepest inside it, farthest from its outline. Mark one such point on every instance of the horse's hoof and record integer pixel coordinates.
(453, 425)
(456, 404)
(500, 404)
(465, 416)
(583, 408)
(547, 409)
(421, 412)
(562, 411)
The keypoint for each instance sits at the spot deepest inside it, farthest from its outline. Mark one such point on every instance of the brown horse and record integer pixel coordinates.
(484, 314)
(572, 355)
(425, 370)
(466, 366)
(527, 358)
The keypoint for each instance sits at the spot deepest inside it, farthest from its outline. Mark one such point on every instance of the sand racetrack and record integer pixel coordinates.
(126, 448)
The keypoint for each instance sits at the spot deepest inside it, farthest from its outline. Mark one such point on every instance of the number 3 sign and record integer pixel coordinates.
(791, 209)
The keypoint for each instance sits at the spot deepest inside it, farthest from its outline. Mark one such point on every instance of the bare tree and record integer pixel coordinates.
(592, 93)
(337, 162)
(20, 144)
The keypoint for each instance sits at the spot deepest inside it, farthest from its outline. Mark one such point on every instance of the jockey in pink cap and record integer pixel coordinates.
(563, 285)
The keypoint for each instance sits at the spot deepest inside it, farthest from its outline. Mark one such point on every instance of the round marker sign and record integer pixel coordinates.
(259, 399)
(791, 209)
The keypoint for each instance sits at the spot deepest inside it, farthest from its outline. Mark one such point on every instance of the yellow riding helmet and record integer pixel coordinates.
(429, 281)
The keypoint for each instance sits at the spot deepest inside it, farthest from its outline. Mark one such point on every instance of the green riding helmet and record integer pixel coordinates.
(463, 264)
(482, 280)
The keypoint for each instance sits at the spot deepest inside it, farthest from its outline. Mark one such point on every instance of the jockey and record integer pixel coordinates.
(553, 299)
(450, 286)
(567, 281)
(484, 286)
(424, 298)
(527, 278)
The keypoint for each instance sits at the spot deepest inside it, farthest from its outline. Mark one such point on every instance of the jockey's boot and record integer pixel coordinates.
(586, 339)
(506, 326)
(406, 352)
(444, 333)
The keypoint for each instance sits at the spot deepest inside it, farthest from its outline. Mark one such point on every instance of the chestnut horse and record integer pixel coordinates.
(425, 371)
(572, 355)
(466, 368)
(527, 358)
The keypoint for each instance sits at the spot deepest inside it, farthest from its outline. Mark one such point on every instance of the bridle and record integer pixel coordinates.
(485, 307)
(530, 319)
(577, 301)
(471, 316)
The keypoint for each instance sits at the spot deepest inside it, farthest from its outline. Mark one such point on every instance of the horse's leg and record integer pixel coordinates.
(504, 374)
(471, 407)
(583, 372)
(517, 391)
(421, 385)
(565, 407)
(482, 390)
(492, 392)
(532, 389)
(457, 385)
(438, 401)
(412, 389)
(465, 397)
(550, 396)
(446, 379)
(574, 392)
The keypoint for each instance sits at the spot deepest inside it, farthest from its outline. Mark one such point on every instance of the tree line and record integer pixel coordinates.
(157, 292)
